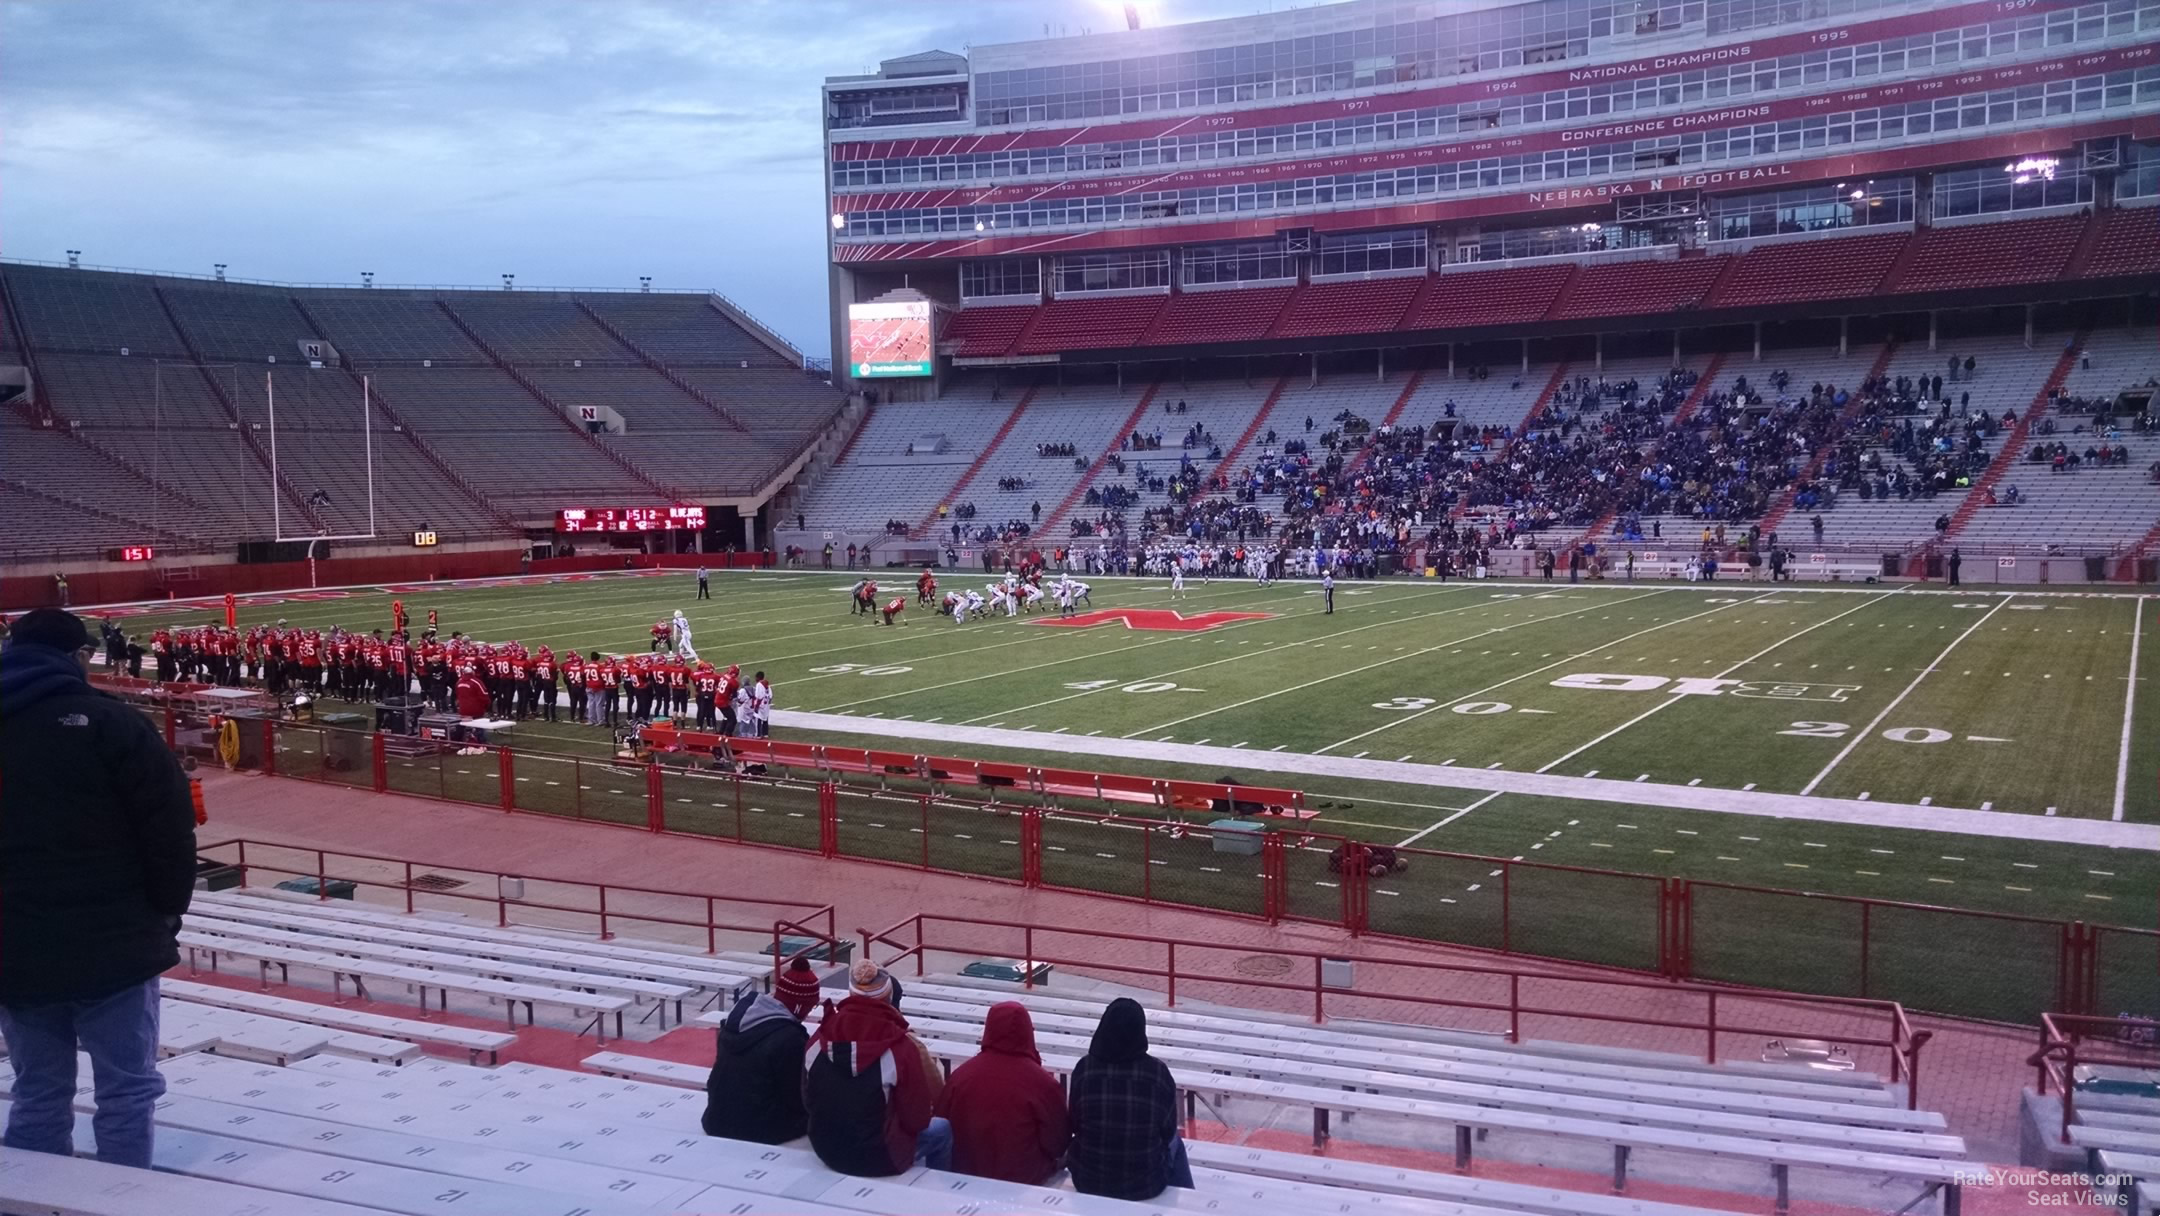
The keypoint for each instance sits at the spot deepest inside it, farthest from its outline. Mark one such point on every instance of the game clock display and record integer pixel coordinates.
(628, 519)
(130, 553)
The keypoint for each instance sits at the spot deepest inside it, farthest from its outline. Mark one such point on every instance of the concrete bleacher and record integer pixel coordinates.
(533, 328)
(240, 323)
(91, 311)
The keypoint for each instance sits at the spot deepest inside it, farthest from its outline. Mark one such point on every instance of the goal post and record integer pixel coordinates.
(309, 444)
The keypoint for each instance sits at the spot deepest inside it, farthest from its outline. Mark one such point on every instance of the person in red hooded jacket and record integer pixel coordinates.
(1007, 1111)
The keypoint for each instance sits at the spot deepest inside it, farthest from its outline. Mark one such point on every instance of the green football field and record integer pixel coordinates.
(1651, 699)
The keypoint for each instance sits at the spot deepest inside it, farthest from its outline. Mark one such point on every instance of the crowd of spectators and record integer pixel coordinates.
(871, 1098)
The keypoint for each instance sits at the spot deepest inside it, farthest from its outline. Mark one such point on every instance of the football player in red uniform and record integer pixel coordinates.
(543, 683)
(893, 607)
(707, 683)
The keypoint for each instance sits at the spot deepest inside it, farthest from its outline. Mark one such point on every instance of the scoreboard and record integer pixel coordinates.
(628, 519)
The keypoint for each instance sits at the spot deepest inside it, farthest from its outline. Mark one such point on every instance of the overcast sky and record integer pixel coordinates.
(571, 142)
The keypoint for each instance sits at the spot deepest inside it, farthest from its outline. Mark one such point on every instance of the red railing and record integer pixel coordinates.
(610, 903)
(2124, 1041)
(924, 934)
(1026, 825)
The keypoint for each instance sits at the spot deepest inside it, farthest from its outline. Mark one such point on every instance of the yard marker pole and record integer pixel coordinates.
(1861, 735)
(2122, 759)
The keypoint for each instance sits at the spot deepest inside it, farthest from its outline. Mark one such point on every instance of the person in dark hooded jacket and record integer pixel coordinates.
(1007, 1111)
(870, 1086)
(755, 1089)
(1124, 1108)
(97, 864)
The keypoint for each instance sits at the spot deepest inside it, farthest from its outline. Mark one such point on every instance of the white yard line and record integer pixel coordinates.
(1671, 701)
(1869, 730)
(1421, 651)
(1422, 833)
(1559, 662)
(1879, 813)
(2122, 759)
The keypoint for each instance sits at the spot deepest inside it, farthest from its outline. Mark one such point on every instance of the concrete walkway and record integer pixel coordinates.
(1759, 803)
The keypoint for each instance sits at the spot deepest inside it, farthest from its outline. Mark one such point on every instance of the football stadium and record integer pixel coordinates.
(1398, 606)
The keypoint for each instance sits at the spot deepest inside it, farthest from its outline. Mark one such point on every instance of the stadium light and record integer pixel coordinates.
(644, 282)
(2042, 167)
(839, 221)
(220, 268)
(508, 279)
(74, 259)
(367, 278)
(978, 225)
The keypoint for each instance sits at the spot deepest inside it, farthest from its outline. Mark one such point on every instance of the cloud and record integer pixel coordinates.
(580, 142)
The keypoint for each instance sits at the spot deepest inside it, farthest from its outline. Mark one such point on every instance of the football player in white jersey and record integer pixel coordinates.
(1177, 578)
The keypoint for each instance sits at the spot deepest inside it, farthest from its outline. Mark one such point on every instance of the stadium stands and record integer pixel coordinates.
(1620, 289)
(1991, 253)
(1217, 316)
(534, 329)
(1471, 296)
(302, 1105)
(1795, 271)
(1090, 323)
(1355, 306)
(684, 330)
(2128, 244)
(975, 333)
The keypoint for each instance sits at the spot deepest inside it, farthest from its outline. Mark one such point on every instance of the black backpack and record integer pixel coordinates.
(847, 1113)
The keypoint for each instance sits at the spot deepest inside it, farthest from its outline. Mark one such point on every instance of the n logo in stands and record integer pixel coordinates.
(1155, 618)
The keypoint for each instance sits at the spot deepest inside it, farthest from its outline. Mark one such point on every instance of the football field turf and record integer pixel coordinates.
(1956, 701)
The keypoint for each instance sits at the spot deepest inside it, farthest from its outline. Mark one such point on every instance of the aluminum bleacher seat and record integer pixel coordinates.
(645, 399)
(386, 325)
(1618, 289)
(240, 322)
(1194, 317)
(91, 311)
(683, 329)
(983, 332)
(782, 404)
(2128, 244)
(1471, 295)
(1347, 307)
(1812, 268)
(529, 327)
(882, 480)
(80, 1186)
(1091, 323)
(1086, 416)
(1990, 253)
(133, 390)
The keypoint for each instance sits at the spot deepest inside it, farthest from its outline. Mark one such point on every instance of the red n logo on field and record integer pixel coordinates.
(1155, 618)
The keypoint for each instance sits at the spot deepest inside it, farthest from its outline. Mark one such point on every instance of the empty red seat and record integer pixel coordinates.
(1992, 254)
(2129, 244)
(984, 332)
(1619, 289)
(1489, 297)
(1828, 268)
(1218, 316)
(1093, 324)
(1364, 306)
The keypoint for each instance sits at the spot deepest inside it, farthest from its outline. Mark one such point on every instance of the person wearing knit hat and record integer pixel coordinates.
(797, 988)
(871, 1086)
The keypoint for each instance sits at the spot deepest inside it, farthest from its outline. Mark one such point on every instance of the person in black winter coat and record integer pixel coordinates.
(1125, 1141)
(755, 1090)
(97, 864)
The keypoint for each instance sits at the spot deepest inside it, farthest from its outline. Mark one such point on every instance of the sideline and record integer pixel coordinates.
(2005, 825)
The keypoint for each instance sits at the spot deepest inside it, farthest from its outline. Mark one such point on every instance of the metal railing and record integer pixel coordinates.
(2124, 1041)
(609, 903)
(923, 934)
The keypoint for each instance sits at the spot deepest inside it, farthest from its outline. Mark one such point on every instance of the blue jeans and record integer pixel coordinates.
(934, 1147)
(120, 1034)
(1180, 1165)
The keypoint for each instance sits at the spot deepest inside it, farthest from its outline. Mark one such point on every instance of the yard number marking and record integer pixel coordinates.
(1896, 734)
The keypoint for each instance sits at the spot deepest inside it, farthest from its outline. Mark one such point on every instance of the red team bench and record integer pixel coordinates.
(1220, 797)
